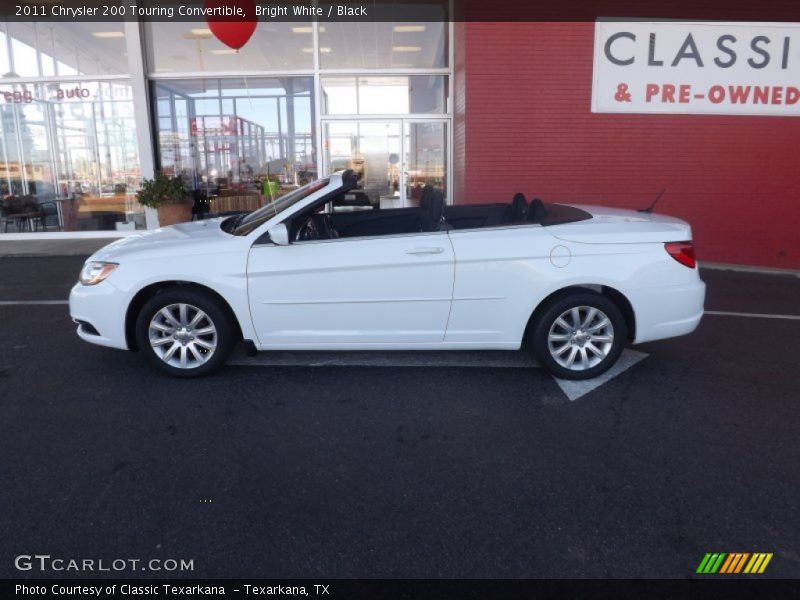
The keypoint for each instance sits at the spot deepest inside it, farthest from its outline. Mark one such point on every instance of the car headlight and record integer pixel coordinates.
(95, 271)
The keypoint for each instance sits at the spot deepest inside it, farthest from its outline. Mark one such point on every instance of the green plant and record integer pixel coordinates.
(162, 190)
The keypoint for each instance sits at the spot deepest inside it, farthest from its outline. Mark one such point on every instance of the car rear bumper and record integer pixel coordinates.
(666, 312)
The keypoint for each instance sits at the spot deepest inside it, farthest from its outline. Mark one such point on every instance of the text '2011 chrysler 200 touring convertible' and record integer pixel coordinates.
(308, 271)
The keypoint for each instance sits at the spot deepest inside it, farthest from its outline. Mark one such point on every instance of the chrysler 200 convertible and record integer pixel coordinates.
(575, 284)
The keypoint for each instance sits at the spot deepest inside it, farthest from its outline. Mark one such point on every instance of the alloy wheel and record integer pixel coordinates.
(182, 335)
(580, 338)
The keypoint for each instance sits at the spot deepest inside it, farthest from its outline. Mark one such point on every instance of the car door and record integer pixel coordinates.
(388, 291)
(501, 272)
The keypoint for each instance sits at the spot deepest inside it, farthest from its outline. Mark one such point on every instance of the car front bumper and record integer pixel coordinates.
(102, 307)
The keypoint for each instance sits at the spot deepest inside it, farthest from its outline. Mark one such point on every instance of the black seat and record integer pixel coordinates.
(437, 208)
(519, 207)
(425, 207)
(432, 209)
(201, 206)
(48, 210)
(536, 211)
(23, 211)
(497, 214)
(350, 178)
(425, 198)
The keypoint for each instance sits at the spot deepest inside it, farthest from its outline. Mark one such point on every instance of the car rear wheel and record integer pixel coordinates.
(185, 333)
(579, 336)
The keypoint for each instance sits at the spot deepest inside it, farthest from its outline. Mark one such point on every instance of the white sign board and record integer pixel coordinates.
(696, 68)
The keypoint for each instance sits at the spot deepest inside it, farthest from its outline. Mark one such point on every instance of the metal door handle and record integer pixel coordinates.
(425, 250)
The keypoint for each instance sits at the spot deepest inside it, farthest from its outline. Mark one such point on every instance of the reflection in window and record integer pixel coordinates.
(376, 151)
(24, 52)
(401, 94)
(238, 140)
(425, 157)
(45, 40)
(65, 49)
(371, 149)
(5, 64)
(191, 47)
(70, 149)
(364, 45)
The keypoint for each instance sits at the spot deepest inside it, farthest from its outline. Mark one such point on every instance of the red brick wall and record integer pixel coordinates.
(524, 124)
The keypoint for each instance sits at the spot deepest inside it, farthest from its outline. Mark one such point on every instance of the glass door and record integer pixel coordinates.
(370, 148)
(395, 158)
(424, 158)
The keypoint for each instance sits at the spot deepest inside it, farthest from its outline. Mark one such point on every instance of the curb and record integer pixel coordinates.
(749, 269)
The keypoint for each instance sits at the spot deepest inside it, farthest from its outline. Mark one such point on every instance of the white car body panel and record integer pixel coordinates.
(198, 253)
(457, 289)
(497, 268)
(618, 226)
(357, 291)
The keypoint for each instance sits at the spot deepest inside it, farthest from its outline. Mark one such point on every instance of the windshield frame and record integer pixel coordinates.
(258, 217)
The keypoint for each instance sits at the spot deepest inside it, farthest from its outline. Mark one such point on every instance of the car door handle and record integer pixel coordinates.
(425, 250)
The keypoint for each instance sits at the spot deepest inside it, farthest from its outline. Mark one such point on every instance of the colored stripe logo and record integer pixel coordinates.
(734, 563)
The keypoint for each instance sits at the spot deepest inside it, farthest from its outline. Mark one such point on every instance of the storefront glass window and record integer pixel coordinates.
(192, 48)
(368, 95)
(62, 49)
(395, 158)
(23, 49)
(69, 155)
(5, 65)
(45, 43)
(236, 140)
(354, 45)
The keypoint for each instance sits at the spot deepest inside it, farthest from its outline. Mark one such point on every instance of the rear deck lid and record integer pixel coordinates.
(619, 226)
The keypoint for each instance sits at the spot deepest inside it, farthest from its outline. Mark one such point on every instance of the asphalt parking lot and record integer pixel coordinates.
(318, 469)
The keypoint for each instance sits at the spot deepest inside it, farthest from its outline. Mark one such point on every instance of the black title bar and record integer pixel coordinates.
(396, 10)
(400, 589)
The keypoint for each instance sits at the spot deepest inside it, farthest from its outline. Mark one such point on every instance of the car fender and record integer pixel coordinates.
(230, 285)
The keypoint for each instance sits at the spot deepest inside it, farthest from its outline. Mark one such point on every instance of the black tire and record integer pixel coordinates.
(217, 316)
(591, 364)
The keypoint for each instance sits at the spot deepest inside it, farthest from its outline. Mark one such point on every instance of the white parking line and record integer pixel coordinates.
(571, 389)
(575, 389)
(720, 313)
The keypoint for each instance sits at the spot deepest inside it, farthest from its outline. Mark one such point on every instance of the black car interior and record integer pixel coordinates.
(431, 215)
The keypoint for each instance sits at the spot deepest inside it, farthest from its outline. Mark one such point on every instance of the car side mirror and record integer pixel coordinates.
(279, 234)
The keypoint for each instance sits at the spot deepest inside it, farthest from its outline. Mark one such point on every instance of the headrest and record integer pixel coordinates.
(437, 204)
(536, 211)
(350, 178)
(425, 198)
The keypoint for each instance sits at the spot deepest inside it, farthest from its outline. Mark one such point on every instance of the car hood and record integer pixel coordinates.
(192, 237)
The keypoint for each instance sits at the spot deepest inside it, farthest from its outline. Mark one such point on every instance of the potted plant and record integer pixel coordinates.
(167, 195)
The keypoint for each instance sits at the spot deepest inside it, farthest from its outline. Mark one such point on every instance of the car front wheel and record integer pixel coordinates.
(579, 336)
(185, 333)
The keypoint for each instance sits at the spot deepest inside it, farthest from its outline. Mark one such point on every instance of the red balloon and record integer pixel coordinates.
(232, 30)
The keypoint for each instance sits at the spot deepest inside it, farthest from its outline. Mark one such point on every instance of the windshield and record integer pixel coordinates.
(244, 224)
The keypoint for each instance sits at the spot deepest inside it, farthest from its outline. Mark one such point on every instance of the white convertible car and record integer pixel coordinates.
(575, 284)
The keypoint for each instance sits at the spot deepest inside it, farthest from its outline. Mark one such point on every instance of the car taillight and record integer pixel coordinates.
(683, 252)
